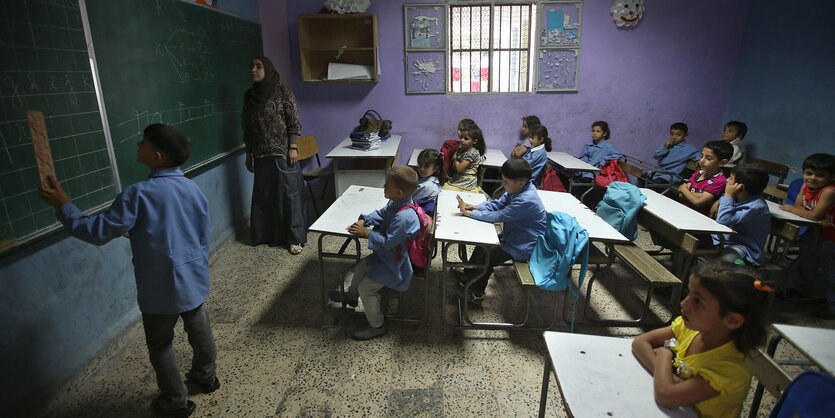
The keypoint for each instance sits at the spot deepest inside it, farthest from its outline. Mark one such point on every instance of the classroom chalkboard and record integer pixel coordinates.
(173, 62)
(44, 66)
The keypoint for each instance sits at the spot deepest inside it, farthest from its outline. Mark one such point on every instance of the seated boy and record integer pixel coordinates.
(674, 155)
(389, 264)
(816, 201)
(733, 133)
(523, 215)
(167, 221)
(707, 184)
(744, 210)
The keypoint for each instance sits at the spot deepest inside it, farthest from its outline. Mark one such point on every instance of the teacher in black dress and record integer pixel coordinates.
(271, 132)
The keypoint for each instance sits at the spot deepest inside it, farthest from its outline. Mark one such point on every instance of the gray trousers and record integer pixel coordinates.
(159, 336)
(369, 292)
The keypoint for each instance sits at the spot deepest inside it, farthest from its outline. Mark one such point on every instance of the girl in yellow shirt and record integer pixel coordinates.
(702, 360)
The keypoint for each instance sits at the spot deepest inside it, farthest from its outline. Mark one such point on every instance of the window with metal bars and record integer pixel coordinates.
(491, 47)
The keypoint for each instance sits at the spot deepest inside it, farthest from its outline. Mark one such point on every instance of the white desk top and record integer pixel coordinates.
(815, 343)
(413, 159)
(452, 226)
(679, 216)
(570, 162)
(355, 201)
(597, 228)
(778, 213)
(493, 158)
(600, 377)
(388, 149)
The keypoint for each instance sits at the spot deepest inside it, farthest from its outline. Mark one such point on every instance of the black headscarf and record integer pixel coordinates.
(257, 96)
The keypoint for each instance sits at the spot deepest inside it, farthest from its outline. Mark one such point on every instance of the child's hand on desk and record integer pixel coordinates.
(358, 228)
(787, 208)
(714, 209)
(465, 207)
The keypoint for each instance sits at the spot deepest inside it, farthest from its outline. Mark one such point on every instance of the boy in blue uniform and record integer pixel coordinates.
(389, 264)
(674, 155)
(523, 214)
(166, 219)
(744, 210)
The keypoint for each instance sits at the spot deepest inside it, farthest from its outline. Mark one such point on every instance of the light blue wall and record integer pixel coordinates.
(65, 301)
(784, 88)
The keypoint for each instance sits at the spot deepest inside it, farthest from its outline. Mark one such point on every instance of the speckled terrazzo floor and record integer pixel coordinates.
(279, 354)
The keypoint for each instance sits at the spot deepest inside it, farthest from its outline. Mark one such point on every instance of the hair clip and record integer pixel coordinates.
(762, 287)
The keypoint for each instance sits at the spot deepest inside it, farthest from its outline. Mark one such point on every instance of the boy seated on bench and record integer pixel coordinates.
(523, 215)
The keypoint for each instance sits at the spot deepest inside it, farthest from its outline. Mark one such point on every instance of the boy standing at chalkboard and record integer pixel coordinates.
(166, 218)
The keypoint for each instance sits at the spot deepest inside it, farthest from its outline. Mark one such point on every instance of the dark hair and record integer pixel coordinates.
(741, 128)
(475, 133)
(679, 126)
(404, 178)
(604, 126)
(433, 156)
(516, 169)
(540, 131)
(733, 287)
(723, 149)
(754, 177)
(531, 120)
(820, 162)
(467, 123)
(170, 141)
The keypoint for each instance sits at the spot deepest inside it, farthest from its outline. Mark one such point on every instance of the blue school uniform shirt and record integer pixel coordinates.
(394, 228)
(674, 159)
(751, 220)
(597, 155)
(524, 220)
(536, 157)
(167, 217)
(428, 188)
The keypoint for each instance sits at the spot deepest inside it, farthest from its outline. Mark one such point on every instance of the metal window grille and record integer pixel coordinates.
(491, 47)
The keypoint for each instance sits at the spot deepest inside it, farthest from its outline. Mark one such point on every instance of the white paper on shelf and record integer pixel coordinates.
(339, 71)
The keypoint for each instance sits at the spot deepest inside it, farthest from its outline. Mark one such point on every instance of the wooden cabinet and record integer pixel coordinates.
(323, 36)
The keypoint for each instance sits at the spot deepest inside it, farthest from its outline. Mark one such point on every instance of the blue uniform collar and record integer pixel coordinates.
(166, 172)
(522, 190)
(402, 202)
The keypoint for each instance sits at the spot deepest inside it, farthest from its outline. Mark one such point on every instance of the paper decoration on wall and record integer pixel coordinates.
(627, 12)
(557, 70)
(347, 6)
(560, 25)
(425, 72)
(424, 27)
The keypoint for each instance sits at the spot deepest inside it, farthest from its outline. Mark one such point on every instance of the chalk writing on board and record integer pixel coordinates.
(142, 118)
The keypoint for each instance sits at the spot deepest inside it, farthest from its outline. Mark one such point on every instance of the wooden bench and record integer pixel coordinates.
(778, 170)
(770, 376)
(649, 269)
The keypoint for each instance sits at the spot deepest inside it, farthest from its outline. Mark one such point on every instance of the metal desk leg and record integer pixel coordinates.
(543, 399)
(758, 393)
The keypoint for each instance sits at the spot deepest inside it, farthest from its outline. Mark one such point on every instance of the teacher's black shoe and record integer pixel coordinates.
(177, 413)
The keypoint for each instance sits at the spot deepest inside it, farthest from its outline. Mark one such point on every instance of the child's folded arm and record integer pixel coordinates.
(643, 346)
(827, 199)
(396, 233)
(99, 229)
(672, 393)
(660, 153)
(697, 199)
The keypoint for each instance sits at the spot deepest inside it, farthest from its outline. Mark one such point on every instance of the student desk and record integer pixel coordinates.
(363, 168)
(599, 377)
(568, 164)
(493, 159)
(785, 229)
(413, 159)
(452, 227)
(814, 343)
(354, 201)
(677, 222)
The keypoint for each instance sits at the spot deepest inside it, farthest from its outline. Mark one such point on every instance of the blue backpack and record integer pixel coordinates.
(812, 394)
(620, 206)
(557, 250)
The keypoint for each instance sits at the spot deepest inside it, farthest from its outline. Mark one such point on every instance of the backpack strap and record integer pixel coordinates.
(402, 208)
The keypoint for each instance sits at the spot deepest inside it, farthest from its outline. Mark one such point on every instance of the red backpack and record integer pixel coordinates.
(551, 180)
(419, 247)
(448, 149)
(610, 172)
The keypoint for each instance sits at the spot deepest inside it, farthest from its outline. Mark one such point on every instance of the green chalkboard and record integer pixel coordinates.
(174, 62)
(44, 66)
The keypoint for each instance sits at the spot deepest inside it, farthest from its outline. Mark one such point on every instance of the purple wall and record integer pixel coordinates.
(275, 36)
(676, 65)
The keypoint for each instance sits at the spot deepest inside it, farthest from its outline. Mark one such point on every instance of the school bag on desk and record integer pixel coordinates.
(620, 207)
(610, 172)
(556, 251)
